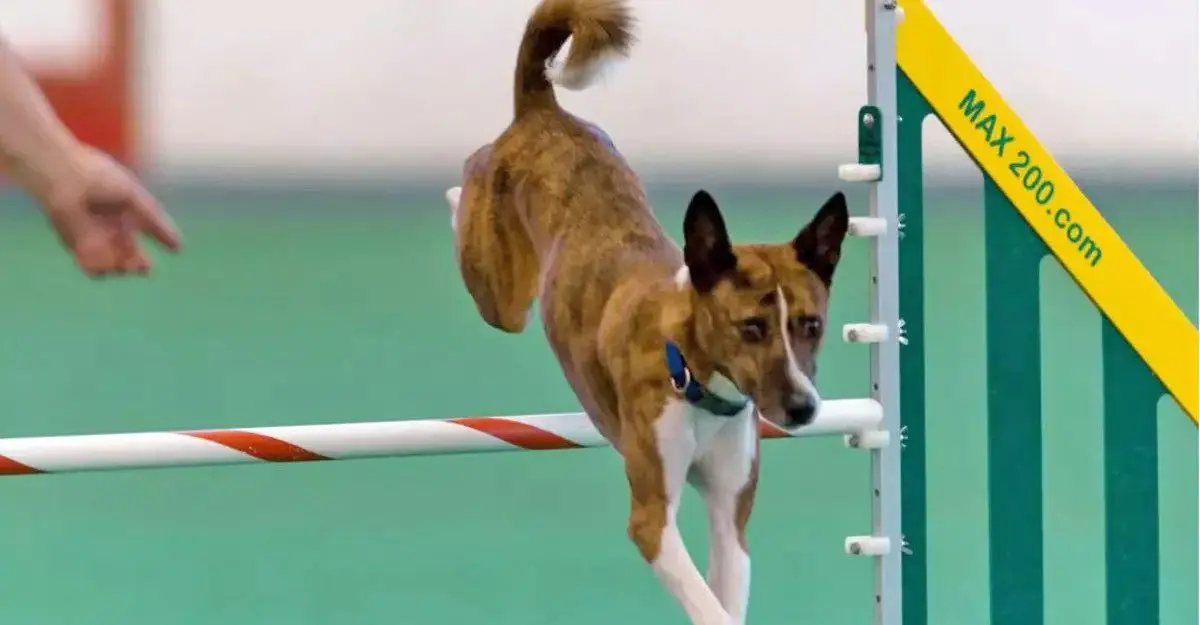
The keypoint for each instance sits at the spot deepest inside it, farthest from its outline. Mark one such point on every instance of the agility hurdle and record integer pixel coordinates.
(345, 441)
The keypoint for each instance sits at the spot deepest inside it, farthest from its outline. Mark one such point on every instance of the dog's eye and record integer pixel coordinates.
(808, 327)
(753, 330)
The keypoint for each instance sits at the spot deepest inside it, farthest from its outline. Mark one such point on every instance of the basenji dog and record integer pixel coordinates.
(673, 354)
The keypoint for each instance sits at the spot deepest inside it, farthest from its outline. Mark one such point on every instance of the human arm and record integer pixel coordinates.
(96, 206)
(36, 146)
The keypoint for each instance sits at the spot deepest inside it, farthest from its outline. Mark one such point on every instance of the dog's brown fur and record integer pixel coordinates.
(551, 211)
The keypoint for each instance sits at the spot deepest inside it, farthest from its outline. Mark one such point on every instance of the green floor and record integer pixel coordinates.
(312, 306)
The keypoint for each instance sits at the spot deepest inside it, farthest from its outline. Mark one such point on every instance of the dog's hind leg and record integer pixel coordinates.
(658, 453)
(727, 476)
(496, 258)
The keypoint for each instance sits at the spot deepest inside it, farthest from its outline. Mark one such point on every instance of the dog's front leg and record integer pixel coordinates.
(727, 476)
(658, 451)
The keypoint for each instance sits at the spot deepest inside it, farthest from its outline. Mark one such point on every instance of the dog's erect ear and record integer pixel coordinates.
(819, 244)
(706, 247)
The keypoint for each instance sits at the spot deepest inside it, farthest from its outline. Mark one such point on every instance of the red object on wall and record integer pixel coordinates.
(98, 105)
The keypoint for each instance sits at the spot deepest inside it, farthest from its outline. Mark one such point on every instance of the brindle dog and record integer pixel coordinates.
(672, 353)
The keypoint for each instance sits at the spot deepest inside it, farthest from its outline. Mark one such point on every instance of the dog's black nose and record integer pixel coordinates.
(800, 414)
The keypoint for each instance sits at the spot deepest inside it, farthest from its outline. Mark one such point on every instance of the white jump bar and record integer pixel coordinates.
(344, 441)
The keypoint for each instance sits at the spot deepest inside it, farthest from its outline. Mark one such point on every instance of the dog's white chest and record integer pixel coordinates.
(706, 427)
(686, 434)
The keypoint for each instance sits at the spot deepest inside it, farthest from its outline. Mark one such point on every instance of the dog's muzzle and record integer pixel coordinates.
(801, 410)
(801, 405)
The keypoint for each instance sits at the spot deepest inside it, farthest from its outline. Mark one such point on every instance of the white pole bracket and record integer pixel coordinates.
(867, 226)
(868, 546)
(868, 439)
(857, 172)
(871, 333)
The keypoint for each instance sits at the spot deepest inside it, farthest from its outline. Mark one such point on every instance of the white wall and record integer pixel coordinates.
(420, 83)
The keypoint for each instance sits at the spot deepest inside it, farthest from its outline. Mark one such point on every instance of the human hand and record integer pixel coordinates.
(99, 209)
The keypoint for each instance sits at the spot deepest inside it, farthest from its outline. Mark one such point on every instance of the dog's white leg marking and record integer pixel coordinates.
(722, 473)
(798, 377)
(675, 437)
(453, 196)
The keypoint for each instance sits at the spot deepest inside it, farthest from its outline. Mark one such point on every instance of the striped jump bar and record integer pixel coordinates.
(344, 441)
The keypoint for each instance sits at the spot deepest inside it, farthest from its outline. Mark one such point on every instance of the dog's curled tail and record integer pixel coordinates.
(600, 33)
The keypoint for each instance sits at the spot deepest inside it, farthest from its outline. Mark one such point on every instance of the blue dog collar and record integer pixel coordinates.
(693, 391)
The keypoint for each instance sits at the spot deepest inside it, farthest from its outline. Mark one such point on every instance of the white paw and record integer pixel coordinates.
(453, 195)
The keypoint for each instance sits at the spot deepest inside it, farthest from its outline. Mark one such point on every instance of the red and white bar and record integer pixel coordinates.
(343, 441)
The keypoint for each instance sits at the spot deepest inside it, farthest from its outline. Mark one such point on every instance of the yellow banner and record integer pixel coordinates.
(1056, 209)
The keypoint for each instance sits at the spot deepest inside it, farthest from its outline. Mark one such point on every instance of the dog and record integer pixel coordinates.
(674, 354)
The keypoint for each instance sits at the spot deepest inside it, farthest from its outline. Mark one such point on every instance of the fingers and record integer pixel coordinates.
(128, 254)
(94, 254)
(90, 255)
(103, 245)
(153, 220)
(110, 247)
(99, 217)
(118, 251)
